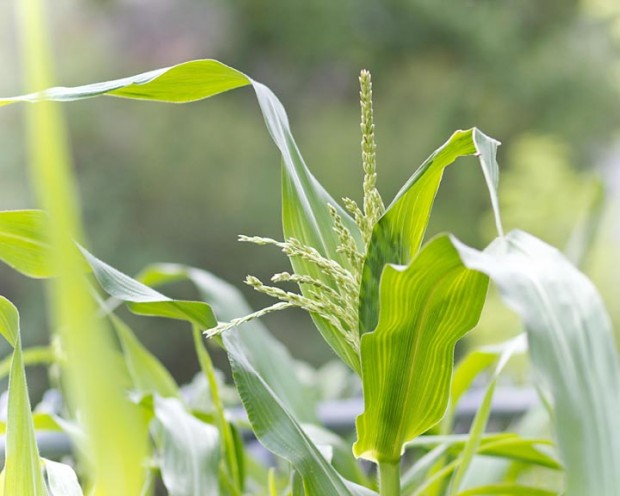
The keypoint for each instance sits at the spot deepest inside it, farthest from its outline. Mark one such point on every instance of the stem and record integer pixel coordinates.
(389, 478)
(228, 445)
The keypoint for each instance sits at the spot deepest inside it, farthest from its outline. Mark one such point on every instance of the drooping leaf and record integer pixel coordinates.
(61, 479)
(269, 357)
(278, 430)
(305, 210)
(572, 349)
(407, 361)
(22, 469)
(147, 372)
(190, 452)
(399, 233)
(24, 242)
(143, 300)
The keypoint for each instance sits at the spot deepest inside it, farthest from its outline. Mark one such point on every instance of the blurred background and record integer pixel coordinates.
(178, 183)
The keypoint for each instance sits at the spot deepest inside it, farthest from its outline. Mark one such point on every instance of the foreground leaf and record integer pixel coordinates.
(407, 361)
(572, 349)
(22, 470)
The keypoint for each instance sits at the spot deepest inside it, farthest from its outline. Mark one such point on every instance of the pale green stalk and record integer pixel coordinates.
(389, 478)
(94, 386)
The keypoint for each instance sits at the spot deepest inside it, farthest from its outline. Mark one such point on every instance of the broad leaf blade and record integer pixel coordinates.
(399, 233)
(190, 450)
(269, 357)
(24, 242)
(572, 349)
(407, 361)
(22, 470)
(146, 301)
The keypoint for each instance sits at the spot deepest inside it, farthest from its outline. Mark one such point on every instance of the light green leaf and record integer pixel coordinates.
(277, 429)
(506, 490)
(61, 479)
(399, 233)
(190, 452)
(143, 300)
(407, 361)
(269, 357)
(147, 372)
(22, 469)
(572, 349)
(24, 243)
(36, 355)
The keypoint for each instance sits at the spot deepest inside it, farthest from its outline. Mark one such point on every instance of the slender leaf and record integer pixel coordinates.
(407, 361)
(572, 349)
(24, 242)
(276, 428)
(147, 372)
(22, 470)
(506, 490)
(190, 450)
(36, 355)
(61, 480)
(146, 301)
(269, 357)
(399, 233)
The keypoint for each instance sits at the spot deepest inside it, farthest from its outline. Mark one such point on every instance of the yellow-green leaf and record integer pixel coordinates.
(407, 361)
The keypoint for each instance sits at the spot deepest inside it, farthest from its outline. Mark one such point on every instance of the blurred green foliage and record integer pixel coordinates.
(537, 75)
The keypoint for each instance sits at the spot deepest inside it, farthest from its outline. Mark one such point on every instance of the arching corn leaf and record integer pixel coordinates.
(22, 469)
(407, 361)
(278, 430)
(399, 233)
(269, 357)
(24, 243)
(572, 349)
(305, 211)
(143, 300)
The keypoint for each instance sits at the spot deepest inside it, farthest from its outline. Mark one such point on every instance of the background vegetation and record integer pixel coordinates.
(543, 78)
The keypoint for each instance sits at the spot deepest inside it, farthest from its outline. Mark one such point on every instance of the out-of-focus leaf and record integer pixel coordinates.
(269, 357)
(572, 349)
(61, 480)
(24, 242)
(147, 372)
(276, 428)
(36, 355)
(190, 452)
(506, 490)
(22, 469)
(146, 301)
(397, 237)
(407, 361)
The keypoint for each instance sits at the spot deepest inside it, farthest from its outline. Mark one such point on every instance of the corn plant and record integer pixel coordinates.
(390, 306)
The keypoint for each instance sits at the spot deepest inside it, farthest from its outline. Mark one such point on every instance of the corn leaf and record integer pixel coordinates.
(305, 211)
(269, 357)
(190, 452)
(397, 236)
(61, 479)
(426, 308)
(24, 242)
(143, 300)
(276, 428)
(22, 469)
(572, 349)
(507, 490)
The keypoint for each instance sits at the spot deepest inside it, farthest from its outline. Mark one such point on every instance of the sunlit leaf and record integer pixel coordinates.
(61, 479)
(572, 349)
(22, 470)
(407, 361)
(399, 233)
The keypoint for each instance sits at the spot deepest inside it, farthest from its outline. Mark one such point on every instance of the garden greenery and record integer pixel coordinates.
(391, 306)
